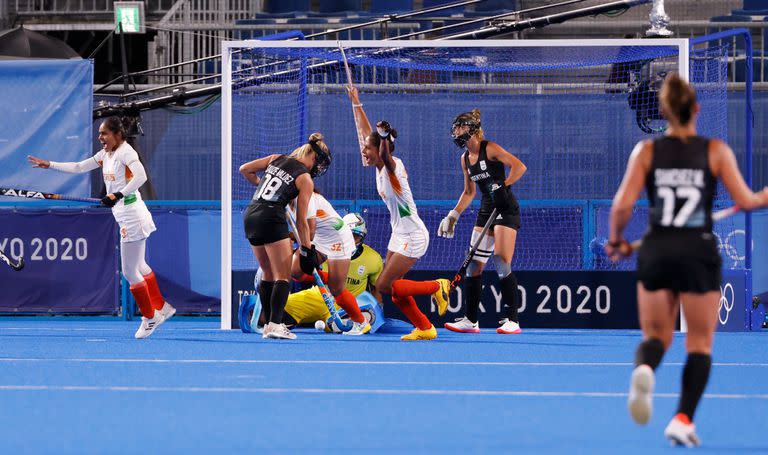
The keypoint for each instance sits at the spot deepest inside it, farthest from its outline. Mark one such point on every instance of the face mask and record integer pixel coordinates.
(322, 163)
(461, 141)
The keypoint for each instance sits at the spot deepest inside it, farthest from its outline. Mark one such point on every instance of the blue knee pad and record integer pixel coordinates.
(249, 303)
(370, 308)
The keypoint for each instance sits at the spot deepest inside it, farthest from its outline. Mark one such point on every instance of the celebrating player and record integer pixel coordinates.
(364, 269)
(335, 243)
(410, 237)
(679, 259)
(123, 175)
(483, 164)
(285, 178)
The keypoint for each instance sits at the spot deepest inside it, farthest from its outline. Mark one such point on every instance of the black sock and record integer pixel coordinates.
(265, 295)
(279, 298)
(473, 289)
(695, 377)
(509, 295)
(649, 352)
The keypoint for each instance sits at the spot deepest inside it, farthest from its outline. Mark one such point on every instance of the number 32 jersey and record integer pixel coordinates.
(680, 185)
(278, 186)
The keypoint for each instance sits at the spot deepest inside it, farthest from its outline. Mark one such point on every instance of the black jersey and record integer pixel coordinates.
(488, 175)
(278, 186)
(680, 185)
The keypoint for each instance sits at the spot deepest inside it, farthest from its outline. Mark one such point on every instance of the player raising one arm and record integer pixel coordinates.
(678, 260)
(285, 178)
(123, 175)
(410, 237)
(483, 164)
(334, 242)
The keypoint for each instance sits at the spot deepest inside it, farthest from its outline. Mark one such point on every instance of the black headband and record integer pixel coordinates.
(316, 148)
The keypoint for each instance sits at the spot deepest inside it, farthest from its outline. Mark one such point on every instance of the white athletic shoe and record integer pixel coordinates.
(682, 432)
(463, 325)
(508, 327)
(167, 311)
(149, 325)
(640, 402)
(358, 328)
(278, 331)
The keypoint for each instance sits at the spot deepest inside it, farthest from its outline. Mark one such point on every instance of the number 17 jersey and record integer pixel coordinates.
(680, 184)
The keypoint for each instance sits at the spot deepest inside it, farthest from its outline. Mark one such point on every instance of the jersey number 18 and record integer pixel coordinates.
(268, 187)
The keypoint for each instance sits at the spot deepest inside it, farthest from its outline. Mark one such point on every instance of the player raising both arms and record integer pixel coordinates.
(334, 243)
(285, 178)
(678, 260)
(483, 164)
(410, 237)
(123, 175)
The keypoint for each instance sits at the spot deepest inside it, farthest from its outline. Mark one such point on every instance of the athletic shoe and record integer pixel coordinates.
(167, 311)
(148, 325)
(440, 297)
(278, 331)
(417, 334)
(358, 328)
(463, 325)
(641, 394)
(682, 432)
(508, 327)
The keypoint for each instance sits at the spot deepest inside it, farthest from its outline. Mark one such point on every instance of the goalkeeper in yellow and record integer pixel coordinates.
(307, 306)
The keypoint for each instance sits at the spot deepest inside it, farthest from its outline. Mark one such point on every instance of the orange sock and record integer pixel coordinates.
(408, 306)
(404, 288)
(349, 303)
(683, 418)
(154, 291)
(140, 292)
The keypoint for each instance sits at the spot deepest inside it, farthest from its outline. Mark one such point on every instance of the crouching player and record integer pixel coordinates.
(307, 307)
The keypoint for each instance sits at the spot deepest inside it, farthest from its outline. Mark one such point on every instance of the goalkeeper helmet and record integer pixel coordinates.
(466, 119)
(357, 224)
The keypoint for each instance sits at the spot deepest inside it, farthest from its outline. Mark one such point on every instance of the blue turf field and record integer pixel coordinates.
(89, 387)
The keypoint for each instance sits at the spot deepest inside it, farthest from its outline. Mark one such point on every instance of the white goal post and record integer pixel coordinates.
(233, 48)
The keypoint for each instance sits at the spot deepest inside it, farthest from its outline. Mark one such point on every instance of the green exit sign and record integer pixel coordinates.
(130, 15)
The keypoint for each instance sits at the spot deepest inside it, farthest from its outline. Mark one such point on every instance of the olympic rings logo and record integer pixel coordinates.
(725, 303)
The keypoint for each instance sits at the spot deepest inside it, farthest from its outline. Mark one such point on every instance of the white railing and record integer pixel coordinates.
(64, 7)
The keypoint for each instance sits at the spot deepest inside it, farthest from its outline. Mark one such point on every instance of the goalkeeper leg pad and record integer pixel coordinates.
(372, 312)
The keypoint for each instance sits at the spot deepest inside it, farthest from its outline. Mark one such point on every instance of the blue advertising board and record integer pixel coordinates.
(71, 261)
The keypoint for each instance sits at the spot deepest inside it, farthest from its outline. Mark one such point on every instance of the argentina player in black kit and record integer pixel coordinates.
(483, 164)
(285, 178)
(678, 261)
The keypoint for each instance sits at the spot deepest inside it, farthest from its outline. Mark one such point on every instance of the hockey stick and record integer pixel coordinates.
(327, 297)
(473, 250)
(598, 246)
(360, 138)
(31, 194)
(14, 265)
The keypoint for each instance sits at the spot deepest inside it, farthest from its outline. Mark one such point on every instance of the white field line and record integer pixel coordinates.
(354, 362)
(341, 391)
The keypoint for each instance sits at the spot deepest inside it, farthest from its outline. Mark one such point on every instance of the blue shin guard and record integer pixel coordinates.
(371, 310)
(250, 310)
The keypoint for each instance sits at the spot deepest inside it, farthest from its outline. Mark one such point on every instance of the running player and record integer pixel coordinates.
(483, 164)
(679, 259)
(335, 244)
(410, 237)
(307, 307)
(285, 178)
(123, 175)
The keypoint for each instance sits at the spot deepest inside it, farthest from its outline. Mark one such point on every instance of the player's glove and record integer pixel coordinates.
(448, 225)
(308, 259)
(107, 201)
(501, 198)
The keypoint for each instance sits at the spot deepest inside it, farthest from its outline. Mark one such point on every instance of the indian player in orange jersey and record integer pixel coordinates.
(123, 175)
(410, 238)
(334, 242)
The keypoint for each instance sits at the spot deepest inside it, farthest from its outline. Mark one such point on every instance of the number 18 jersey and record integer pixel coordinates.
(278, 186)
(680, 185)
